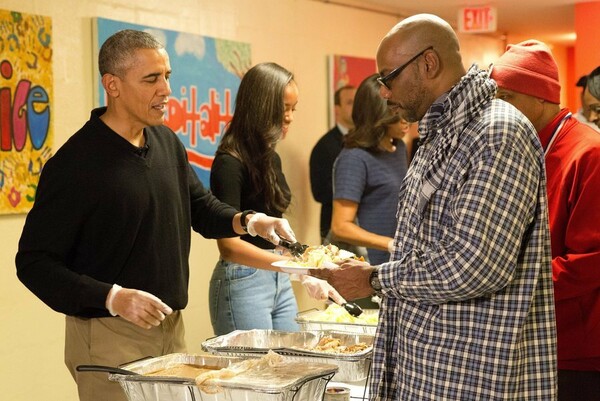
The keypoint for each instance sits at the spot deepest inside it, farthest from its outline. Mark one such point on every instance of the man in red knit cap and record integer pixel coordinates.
(527, 77)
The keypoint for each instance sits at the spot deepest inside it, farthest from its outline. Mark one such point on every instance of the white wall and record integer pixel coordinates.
(298, 34)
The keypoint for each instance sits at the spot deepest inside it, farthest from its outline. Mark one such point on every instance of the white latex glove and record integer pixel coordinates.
(321, 289)
(270, 228)
(138, 307)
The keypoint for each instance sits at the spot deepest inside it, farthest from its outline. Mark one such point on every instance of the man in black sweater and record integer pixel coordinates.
(108, 239)
(326, 151)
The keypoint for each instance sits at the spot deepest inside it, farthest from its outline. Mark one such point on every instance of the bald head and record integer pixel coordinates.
(428, 48)
(415, 33)
(424, 30)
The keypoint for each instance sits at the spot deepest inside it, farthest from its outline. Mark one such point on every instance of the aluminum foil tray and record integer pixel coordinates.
(285, 382)
(293, 345)
(309, 321)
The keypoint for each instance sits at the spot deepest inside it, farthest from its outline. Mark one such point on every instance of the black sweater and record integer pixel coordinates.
(104, 214)
(230, 182)
(322, 159)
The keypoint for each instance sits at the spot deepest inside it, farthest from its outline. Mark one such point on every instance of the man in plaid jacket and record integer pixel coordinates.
(467, 302)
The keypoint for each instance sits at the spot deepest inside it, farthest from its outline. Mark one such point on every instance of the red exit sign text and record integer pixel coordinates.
(477, 19)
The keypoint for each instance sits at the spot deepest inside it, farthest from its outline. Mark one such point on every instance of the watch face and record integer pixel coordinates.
(375, 280)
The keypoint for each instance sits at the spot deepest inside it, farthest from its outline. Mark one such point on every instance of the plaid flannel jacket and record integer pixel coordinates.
(467, 310)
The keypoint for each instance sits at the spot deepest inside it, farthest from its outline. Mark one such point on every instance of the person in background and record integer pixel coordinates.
(107, 241)
(411, 141)
(367, 176)
(326, 151)
(467, 309)
(527, 78)
(590, 99)
(583, 112)
(246, 291)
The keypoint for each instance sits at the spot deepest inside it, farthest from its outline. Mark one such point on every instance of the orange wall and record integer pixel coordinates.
(586, 56)
(587, 28)
(571, 78)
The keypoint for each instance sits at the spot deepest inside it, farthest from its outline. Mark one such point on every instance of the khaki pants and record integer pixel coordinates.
(113, 341)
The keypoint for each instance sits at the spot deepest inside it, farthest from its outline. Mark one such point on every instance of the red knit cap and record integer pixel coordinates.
(529, 68)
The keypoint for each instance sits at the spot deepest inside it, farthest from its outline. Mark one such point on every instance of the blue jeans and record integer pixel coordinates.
(244, 298)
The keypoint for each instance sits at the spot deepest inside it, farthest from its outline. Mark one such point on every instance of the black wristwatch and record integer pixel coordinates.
(243, 216)
(374, 280)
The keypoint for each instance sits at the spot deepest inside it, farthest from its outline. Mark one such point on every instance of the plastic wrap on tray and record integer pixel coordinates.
(289, 380)
(297, 346)
(313, 319)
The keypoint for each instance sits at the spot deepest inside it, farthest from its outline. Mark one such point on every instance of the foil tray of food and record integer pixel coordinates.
(218, 378)
(351, 352)
(337, 318)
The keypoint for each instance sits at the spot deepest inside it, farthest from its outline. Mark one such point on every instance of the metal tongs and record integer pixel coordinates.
(296, 249)
(350, 307)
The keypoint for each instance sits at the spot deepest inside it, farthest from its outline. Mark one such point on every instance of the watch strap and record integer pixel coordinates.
(243, 216)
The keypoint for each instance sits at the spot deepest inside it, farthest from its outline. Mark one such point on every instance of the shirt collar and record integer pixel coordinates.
(344, 130)
(546, 133)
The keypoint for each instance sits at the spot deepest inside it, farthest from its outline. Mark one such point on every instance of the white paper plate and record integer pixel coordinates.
(283, 265)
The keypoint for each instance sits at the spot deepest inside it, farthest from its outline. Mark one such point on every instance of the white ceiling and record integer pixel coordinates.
(546, 20)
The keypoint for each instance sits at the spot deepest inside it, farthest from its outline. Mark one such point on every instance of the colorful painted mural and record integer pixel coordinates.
(26, 134)
(206, 75)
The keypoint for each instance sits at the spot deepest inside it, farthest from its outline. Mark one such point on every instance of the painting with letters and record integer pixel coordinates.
(26, 134)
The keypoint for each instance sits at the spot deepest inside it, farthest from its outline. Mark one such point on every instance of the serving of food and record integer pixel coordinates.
(331, 345)
(337, 314)
(317, 257)
(187, 370)
(204, 375)
(267, 377)
(350, 352)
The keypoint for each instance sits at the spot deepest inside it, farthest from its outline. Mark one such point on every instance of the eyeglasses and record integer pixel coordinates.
(385, 81)
(593, 108)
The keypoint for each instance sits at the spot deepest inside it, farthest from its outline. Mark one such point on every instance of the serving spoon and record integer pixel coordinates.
(134, 375)
(350, 307)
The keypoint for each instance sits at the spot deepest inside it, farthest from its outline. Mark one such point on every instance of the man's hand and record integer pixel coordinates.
(270, 228)
(350, 279)
(139, 307)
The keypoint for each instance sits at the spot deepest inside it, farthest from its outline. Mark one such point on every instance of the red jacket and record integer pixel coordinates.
(573, 174)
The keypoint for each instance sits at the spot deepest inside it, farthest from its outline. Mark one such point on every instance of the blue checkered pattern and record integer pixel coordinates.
(468, 309)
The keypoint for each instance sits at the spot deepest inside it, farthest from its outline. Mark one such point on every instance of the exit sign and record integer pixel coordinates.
(477, 19)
